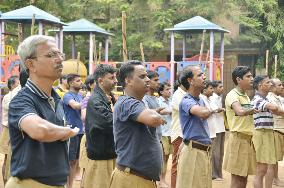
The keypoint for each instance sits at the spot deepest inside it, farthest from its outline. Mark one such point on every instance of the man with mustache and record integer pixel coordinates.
(240, 159)
(99, 129)
(36, 120)
(72, 107)
(263, 135)
(275, 97)
(194, 166)
(139, 153)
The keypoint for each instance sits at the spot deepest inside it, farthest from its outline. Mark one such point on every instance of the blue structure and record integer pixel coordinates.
(25, 15)
(83, 26)
(197, 24)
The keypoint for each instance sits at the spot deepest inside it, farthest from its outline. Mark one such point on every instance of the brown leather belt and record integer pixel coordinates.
(130, 171)
(197, 145)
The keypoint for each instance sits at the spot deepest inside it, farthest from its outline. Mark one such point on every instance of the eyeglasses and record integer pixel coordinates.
(53, 54)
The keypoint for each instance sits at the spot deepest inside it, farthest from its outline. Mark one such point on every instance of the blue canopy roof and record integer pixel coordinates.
(25, 15)
(197, 24)
(84, 26)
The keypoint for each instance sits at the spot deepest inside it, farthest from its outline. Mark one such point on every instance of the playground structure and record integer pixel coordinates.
(85, 27)
(24, 16)
(198, 24)
(211, 64)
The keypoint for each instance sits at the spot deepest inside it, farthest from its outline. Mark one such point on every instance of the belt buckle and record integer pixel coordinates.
(208, 149)
(127, 170)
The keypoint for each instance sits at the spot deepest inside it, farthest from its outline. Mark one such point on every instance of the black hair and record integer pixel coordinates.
(185, 74)
(126, 71)
(63, 77)
(89, 81)
(257, 80)
(239, 71)
(207, 84)
(11, 81)
(71, 77)
(102, 70)
(216, 83)
(152, 74)
(162, 87)
(24, 75)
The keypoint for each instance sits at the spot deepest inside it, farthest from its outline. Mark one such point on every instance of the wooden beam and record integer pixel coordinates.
(202, 46)
(33, 25)
(276, 66)
(266, 62)
(124, 45)
(142, 52)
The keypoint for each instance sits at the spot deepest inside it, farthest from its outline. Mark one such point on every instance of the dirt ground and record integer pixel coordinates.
(220, 184)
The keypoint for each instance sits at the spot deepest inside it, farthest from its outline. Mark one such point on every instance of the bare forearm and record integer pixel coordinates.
(44, 131)
(53, 133)
(155, 120)
(244, 112)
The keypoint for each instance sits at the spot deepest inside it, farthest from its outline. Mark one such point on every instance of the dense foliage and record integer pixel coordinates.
(262, 21)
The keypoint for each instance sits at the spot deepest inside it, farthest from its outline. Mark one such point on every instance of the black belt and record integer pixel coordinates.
(130, 171)
(197, 145)
(279, 132)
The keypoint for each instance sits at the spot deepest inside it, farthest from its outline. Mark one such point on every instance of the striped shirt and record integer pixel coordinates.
(263, 119)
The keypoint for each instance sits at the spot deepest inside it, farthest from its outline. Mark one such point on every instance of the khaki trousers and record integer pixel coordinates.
(122, 179)
(176, 143)
(217, 155)
(194, 168)
(98, 173)
(15, 182)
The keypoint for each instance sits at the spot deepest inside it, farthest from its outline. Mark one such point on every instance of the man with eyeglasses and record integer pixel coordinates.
(36, 120)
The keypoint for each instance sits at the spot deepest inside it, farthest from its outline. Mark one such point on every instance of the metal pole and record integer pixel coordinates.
(172, 79)
(40, 28)
(91, 49)
(61, 39)
(183, 47)
(73, 46)
(211, 60)
(106, 49)
(2, 49)
(222, 56)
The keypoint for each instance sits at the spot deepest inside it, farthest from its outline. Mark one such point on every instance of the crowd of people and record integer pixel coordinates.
(51, 133)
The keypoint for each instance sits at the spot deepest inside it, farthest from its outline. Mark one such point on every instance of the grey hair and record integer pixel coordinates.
(27, 48)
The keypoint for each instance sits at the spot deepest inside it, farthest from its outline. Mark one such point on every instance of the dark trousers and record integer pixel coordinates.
(217, 155)
(176, 143)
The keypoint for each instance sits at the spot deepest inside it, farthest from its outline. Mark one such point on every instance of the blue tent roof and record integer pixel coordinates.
(25, 15)
(84, 26)
(197, 24)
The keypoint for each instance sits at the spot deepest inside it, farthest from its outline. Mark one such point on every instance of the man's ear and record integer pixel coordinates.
(190, 81)
(128, 81)
(100, 80)
(30, 65)
(238, 79)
